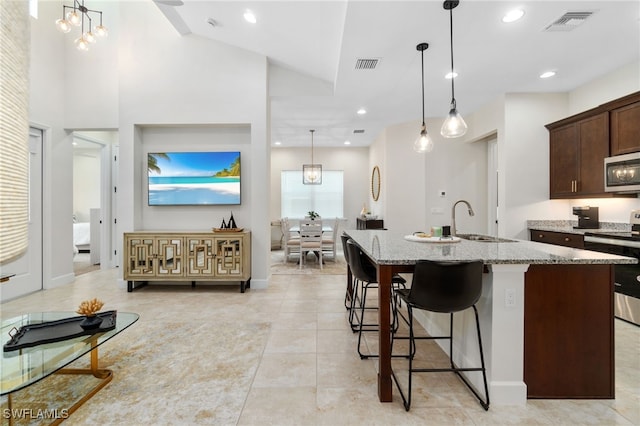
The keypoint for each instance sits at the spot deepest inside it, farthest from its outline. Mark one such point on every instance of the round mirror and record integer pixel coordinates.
(375, 183)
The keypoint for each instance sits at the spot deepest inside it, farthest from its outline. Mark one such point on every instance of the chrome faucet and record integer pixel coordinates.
(453, 214)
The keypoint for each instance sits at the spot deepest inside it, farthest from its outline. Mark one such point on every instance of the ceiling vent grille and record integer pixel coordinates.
(356, 131)
(569, 21)
(366, 63)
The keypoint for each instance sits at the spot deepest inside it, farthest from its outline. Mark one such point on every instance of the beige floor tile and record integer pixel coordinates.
(284, 355)
(286, 370)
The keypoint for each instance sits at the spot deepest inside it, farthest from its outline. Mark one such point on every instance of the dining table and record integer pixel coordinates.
(505, 263)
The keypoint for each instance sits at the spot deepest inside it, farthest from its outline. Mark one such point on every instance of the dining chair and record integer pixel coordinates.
(329, 241)
(310, 239)
(290, 240)
(445, 287)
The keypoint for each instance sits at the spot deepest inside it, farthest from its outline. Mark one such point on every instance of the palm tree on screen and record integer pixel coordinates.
(152, 161)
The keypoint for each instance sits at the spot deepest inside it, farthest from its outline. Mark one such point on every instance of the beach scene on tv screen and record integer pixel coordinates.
(194, 178)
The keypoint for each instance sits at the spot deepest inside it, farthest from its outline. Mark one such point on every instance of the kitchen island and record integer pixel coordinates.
(502, 310)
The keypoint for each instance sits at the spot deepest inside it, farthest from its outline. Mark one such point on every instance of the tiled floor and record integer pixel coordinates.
(280, 356)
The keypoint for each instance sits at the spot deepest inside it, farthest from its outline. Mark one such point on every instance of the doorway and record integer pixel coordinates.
(27, 269)
(92, 201)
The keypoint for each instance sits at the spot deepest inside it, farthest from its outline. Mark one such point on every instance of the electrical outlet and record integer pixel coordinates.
(510, 297)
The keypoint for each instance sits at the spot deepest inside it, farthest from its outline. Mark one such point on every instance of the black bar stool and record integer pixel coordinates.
(445, 287)
(364, 274)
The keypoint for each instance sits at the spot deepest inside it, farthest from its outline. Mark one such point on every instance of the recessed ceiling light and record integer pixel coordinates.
(513, 16)
(347, 143)
(362, 111)
(74, 143)
(451, 75)
(547, 74)
(277, 143)
(250, 17)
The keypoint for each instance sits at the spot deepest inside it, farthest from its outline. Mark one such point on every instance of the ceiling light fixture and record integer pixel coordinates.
(250, 17)
(513, 16)
(277, 143)
(454, 125)
(312, 173)
(423, 143)
(362, 111)
(451, 75)
(77, 17)
(347, 143)
(547, 74)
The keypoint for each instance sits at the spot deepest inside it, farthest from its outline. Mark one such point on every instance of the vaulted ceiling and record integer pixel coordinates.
(322, 41)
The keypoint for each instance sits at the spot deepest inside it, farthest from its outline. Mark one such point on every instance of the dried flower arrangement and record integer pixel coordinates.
(90, 308)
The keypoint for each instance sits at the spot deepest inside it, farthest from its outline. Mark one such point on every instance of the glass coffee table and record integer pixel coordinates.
(21, 368)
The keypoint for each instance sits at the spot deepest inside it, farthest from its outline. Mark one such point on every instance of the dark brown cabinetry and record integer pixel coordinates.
(568, 331)
(625, 126)
(369, 223)
(558, 238)
(577, 152)
(579, 144)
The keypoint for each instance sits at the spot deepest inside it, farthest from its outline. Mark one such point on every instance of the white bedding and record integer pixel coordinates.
(81, 235)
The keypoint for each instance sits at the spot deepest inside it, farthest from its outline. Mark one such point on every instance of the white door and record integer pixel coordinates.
(28, 267)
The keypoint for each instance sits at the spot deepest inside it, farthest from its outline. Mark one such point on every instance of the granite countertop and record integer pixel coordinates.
(567, 226)
(391, 248)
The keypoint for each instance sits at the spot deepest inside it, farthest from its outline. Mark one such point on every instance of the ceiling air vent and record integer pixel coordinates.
(568, 21)
(357, 131)
(366, 63)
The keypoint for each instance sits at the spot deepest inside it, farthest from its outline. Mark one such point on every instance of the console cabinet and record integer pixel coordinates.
(182, 256)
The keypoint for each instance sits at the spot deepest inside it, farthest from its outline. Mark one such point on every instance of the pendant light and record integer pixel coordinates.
(454, 125)
(312, 173)
(423, 143)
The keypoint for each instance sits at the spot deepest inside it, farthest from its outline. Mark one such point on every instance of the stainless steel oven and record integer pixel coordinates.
(622, 173)
(627, 277)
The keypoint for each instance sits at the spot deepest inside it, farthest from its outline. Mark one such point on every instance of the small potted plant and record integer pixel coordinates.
(90, 308)
(313, 215)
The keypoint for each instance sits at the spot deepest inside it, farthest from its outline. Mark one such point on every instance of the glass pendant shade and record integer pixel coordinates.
(63, 25)
(423, 143)
(74, 18)
(90, 37)
(101, 31)
(82, 44)
(312, 174)
(454, 125)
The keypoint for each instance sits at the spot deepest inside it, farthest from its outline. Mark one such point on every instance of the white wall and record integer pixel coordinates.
(196, 218)
(47, 89)
(353, 161)
(145, 76)
(168, 80)
(411, 182)
(86, 183)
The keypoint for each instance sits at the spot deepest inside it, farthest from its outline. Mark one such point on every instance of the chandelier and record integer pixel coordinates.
(75, 16)
(312, 173)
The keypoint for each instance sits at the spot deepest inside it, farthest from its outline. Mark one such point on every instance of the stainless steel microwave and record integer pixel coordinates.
(622, 173)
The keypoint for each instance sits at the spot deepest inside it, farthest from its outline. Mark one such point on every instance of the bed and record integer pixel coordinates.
(82, 236)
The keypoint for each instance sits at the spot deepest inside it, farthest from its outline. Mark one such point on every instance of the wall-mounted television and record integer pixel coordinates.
(193, 178)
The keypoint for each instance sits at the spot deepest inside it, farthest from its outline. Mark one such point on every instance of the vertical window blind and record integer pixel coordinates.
(298, 199)
(14, 128)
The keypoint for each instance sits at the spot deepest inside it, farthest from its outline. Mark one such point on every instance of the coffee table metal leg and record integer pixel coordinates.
(105, 376)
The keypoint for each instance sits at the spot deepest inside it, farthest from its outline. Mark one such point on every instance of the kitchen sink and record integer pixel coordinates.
(484, 238)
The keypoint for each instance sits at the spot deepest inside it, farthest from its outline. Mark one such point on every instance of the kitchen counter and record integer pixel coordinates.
(567, 226)
(391, 248)
(568, 305)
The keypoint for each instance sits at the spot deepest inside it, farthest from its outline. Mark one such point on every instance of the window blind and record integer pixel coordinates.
(14, 128)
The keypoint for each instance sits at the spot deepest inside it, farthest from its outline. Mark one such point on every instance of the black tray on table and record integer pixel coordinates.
(55, 331)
